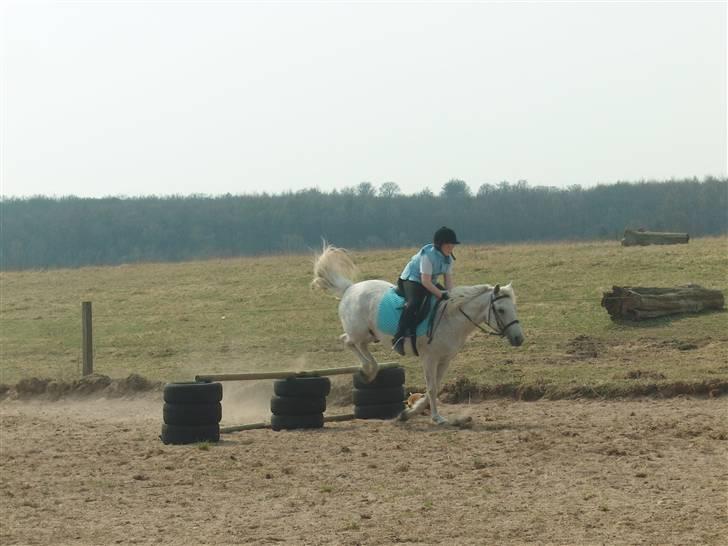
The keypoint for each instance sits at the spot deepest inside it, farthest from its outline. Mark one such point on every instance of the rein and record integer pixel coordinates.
(501, 326)
(439, 309)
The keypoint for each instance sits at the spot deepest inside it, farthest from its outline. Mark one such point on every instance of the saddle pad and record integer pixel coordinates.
(390, 309)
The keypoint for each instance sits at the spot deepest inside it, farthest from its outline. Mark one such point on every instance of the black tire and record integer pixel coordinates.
(386, 378)
(193, 392)
(303, 387)
(290, 405)
(369, 397)
(192, 414)
(379, 411)
(290, 422)
(178, 434)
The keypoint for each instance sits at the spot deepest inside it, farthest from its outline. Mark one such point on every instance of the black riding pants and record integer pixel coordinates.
(415, 295)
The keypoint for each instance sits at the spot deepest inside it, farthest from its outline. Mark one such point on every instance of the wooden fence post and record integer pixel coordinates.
(88, 338)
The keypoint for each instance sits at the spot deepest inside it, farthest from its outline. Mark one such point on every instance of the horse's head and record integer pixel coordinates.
(497, 307)
(502, 316)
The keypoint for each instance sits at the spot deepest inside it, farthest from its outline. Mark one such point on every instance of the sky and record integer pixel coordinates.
(137, 98)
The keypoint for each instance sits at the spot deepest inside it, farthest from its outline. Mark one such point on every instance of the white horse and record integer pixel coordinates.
(467, 308)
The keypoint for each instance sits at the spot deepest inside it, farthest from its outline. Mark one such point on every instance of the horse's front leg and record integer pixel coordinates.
(432, 377)
(442, 367)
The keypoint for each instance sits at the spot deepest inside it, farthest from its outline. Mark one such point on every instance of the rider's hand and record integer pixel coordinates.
(444, 295)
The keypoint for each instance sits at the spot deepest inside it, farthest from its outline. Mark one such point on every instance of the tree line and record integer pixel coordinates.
(44, 232)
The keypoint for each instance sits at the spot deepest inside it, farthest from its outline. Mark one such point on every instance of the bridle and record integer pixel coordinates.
(501, 327)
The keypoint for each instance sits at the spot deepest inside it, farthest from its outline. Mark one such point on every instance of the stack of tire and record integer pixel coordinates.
(383, 398)
(299, 402)
(192, 412)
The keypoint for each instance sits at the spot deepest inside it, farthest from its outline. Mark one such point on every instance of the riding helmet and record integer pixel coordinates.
(445, 235)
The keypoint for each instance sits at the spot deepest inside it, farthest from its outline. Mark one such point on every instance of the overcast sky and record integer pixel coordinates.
(138, 98)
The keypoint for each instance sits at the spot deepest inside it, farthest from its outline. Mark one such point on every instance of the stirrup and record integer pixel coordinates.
(398, 345)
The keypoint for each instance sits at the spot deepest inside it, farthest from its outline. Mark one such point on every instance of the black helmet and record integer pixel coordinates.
(445, 235)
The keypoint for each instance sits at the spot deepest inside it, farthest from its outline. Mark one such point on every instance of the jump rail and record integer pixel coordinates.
(248, 376)
(252, 426)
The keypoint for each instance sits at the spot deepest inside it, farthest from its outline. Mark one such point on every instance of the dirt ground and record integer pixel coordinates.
(93, 471)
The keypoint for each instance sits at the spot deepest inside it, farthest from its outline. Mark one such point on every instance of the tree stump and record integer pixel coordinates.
(639, 303)
(644, 238)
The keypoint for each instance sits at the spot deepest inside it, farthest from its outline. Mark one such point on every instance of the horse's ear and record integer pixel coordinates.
(496, 289)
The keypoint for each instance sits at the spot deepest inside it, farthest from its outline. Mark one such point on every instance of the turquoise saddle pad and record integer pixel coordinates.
(390, 308)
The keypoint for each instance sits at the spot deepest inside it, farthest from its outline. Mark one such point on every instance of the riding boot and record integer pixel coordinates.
(413, 339)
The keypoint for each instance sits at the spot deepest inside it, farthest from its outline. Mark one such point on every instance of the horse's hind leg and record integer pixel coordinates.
(369, 364)
(371, 367)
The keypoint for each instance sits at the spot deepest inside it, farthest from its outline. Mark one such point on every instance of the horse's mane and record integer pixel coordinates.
(460, 295)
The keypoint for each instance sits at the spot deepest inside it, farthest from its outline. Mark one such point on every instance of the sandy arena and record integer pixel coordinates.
(93, 471)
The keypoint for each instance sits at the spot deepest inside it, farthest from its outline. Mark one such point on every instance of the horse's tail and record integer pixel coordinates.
(333, 270)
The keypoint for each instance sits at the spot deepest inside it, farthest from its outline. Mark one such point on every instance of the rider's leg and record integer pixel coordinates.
(414, 292)
(416, 295)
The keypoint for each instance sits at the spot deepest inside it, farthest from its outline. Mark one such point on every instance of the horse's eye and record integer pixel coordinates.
(502, 311)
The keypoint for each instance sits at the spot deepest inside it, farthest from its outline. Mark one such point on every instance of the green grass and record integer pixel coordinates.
(172, 321)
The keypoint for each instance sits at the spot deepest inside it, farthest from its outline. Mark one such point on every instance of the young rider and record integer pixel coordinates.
(419, 279)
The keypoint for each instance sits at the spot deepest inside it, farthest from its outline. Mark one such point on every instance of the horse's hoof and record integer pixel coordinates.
(440, 420)
(368, 374)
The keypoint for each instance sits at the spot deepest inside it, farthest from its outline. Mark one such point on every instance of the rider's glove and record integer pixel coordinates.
(444, 295)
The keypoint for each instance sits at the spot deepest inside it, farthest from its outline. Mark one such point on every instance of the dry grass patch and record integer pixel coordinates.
(172, 321)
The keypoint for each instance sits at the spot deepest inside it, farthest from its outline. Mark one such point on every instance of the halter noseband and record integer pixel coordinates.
(501, 327)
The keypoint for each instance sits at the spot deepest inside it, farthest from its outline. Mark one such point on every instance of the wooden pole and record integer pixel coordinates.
(87, 343)
(248, 376)
(253, 426)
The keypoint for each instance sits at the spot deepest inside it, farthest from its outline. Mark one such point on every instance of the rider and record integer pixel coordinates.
(419, 279)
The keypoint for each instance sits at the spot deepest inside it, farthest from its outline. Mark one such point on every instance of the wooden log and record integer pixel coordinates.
(644, 238)
(639, 303)
(253, 426)
(249, 376)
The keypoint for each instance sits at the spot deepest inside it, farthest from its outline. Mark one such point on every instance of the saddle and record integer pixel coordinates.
(390, 309)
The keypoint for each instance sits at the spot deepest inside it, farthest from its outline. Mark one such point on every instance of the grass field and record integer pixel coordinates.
(172, 321)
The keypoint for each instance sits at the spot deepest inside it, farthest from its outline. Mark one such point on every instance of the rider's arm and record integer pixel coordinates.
(427, 283)
(426, 277)
(448, 281)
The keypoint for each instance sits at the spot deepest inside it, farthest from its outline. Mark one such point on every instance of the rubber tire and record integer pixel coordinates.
(291, 422)
(303, 387)
(193, 392)
(370, 397)
(192, 414)
(386, 378)
(295, 405)
(179, 434)
(379, 411)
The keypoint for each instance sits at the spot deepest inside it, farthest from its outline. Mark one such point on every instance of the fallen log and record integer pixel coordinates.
(639, 303)
(644, 238)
